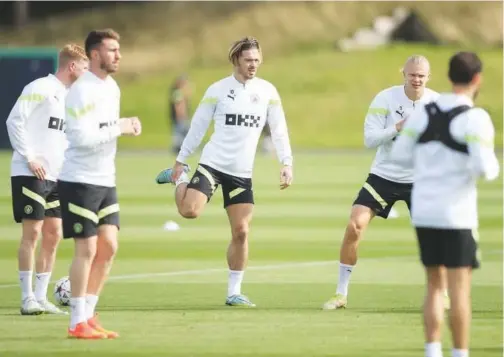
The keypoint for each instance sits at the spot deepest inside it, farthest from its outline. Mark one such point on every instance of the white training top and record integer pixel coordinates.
(240, 112)
(444, 193)
(92, 128)
(36, 127)
(388, 108)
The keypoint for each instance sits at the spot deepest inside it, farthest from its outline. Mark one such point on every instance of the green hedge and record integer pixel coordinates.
(325, 92)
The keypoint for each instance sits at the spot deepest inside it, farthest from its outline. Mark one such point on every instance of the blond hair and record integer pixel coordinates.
(241, 45)
(416, 59)
(71, 52)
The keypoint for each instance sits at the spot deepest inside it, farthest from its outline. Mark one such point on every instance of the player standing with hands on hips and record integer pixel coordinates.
(87, 182)
(240, 105)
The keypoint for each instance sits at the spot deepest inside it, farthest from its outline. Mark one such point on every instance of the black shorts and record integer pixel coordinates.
(452, 248)
(84, 207)
(380, 194)
(34, 199)
(234, 189)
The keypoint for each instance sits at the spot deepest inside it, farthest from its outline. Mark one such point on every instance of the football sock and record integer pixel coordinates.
(78, 312)
(25, 280)
(91, 301)
(345, 271)
(234, 282)
(41, 284)
(433, 349)
(460, 353)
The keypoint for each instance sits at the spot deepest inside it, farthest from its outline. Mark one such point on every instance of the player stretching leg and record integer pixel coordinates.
(36, 131)
(388, 182)
(240, 105)
(87, 186)
(451, 145)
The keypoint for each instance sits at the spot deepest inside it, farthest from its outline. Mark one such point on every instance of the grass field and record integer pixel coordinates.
(167, 290)
(325, 93)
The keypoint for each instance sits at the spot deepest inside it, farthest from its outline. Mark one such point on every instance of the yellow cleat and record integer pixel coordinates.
(338, 301)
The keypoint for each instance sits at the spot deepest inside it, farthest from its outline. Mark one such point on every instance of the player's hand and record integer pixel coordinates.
(137, 126)
(399, 125)
(285, 177)
(37, 169)
(126, 126)
(177, 170)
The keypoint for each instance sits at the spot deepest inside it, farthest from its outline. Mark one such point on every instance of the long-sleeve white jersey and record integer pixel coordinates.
(444, 190)
(36, 127)
(92, 128)
(240, 112)
(388, 108)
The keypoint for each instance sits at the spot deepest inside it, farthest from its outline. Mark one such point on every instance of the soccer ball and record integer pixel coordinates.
(62, 291)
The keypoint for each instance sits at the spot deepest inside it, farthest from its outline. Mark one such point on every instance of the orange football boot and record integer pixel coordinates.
(95, 324)
(83, 331)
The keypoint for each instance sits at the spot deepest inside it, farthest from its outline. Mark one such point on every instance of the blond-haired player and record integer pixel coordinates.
(388, 181)
(36, 126)
(240, 106)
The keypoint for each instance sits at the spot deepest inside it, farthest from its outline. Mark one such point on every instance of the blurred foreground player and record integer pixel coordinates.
(451, 145)
(36, 128)
(87, 184)
(240, 106)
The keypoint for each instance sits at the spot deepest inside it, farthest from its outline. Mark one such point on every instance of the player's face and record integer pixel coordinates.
(77, 68)
(416, 75)
(109, 55)
(248, 63)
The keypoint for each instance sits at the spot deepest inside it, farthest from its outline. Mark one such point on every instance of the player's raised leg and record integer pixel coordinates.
(360, 217)
(105, 252)
(239, 216)
(51, 236)
(31, 231)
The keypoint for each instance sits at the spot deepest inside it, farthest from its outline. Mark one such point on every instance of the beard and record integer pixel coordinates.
(109, 68)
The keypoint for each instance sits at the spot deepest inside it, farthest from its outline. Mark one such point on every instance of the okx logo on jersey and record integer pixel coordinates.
(250, 121)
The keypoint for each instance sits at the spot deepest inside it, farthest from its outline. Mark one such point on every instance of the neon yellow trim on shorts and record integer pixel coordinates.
(108, 210)
(375, 195)
(83, 212)
(34, 196)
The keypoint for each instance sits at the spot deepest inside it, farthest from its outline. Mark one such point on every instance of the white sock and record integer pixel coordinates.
(25, 281)
(184, 178)
(78, 311)
(344, 278)
(234, 282)
(91, 301)
(433, 349)
(460, 353)
(41, 284)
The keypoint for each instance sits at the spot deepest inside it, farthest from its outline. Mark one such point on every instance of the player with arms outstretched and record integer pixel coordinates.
(36, 128)
(87, 185)
(450, 145)
(240, 105)
(388, 182)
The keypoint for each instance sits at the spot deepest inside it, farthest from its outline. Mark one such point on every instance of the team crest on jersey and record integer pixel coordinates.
(28, 209)
(195, 180)
(254, 98)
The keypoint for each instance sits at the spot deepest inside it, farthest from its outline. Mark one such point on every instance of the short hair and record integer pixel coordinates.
(71, 52)
(463, 67)
(416, 59)
(241, 45)
(95, 38)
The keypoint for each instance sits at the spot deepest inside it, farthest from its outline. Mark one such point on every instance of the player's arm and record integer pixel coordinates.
(480, 143)
(30, 98)
(82, 124)
(280, 137)
(375, 132)
(403, 148)
(199, 125)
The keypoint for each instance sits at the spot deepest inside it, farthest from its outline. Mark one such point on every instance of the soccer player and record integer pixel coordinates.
(36, 131)
(387, 182)
(451, 145)
(86, 184)
(240, 105)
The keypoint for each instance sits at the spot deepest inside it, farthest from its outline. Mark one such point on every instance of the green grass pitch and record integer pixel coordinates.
(167, 289)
